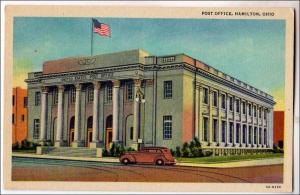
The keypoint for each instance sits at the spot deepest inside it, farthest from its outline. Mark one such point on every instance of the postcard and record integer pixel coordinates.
(148, 98)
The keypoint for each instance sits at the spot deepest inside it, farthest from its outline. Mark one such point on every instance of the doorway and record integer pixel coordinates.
(108, 130)
(89, 137)
(72, 130)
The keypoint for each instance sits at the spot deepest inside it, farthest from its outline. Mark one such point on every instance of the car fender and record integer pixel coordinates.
(130, 157)
(159, 157)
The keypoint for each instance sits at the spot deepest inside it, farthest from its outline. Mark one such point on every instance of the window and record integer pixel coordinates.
(205, 95)
(230, 103)
(167, 89)
(167, 127)
(205, 128)
(265, 136)
(223, 130)
(129, 91)
(73, 95)
(90, 94)
(250, 110)
(265, 113)
(230, 132)
(244, 107)
(13, 118)
(25, 102)
(244, 133)
(23, 117)
(259, 113)
(109, 93)
(223, 99)
(36, 128)
(250, 135)
(37, 98)
(131, 133)
(254, 111)
(255, 135)
(215, 99)
(13, 100)
(55, 97)
(237, 106)
(237, 133)
(260, 136)
(215, 128)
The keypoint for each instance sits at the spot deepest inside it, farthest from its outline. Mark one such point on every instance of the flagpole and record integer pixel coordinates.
(92, 37)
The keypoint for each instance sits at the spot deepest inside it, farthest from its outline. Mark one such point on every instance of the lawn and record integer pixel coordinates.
(225, 159)
(31, 151)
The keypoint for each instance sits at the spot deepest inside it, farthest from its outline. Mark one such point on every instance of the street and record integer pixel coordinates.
(29, 169)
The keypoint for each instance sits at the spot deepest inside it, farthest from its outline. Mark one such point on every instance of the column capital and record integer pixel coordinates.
(78, 86)
(137, 82)
(44, 89)
(97, 85)
(61, 88)
(116, 83)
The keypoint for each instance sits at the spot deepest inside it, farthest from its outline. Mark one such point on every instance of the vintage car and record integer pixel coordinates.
(149, 155)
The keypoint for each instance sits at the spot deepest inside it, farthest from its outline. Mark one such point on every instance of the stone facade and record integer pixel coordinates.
(131, 97)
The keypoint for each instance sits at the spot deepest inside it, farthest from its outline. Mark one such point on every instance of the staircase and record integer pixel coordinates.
(71, 152)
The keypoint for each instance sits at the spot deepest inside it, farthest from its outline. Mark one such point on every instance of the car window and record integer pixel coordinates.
(152, 151)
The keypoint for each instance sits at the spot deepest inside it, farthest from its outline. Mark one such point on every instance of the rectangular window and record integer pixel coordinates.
(237, 133)
(255, 135)
(250, 109)
(13, 100)
(129, 91)
(23, 117)
(205, 95)
(167, 127)
(230, 103)
(230, 132)
(90, 94)
(259, 112)
(36, 128)
(109, 92)
(237, 106)
(167, 89)
(13, 118)
(55, 97)
(244, 133)
(223, 131)
(215, 129)
(205, 128)
(254, 111)
(265, 113)
(265, 136)
(73, 95)
(131, 133)
(215, 99)
(37, 98)
(25, 102)
(223, 99)
(250, 135)
(244, 107)
(260, 136)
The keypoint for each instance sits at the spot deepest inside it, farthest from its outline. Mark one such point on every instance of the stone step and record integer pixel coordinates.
(71, 152)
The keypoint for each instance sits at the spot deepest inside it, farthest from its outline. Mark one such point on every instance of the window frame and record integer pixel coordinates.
(215, 98)
(109, 92)
(90, 94)
(230, 103)
(37, 98)
(205, 95)
(25, 102)
(237, 105)
(129, 91)
(168, 89)
(72, 95)
(223, 101)
(36, 131)
(167, 127)
(205, 128)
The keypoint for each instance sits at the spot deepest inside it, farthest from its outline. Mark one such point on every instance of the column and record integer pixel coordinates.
(270, 127)
(77, 116)
(196, 135)
(95, 140)
(200, 119)
(227, 121)
(116, 89)
(136, 113)
(234, 125)
(210, 135)
(43, 135)
(219, 118)
(60, 118)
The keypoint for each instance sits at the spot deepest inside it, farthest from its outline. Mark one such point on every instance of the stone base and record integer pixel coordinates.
(99, 152)
(58, 144)
(77, 144)
(95, 145)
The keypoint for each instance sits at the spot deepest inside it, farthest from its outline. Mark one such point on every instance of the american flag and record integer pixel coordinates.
(101, 28)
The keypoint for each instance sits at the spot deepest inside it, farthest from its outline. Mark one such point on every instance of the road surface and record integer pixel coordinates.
(29, 169)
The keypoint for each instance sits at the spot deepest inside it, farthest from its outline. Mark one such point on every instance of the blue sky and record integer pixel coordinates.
(250, 50)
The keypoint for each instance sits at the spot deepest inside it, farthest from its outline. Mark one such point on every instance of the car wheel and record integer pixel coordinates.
(125, 161)
(159, 162)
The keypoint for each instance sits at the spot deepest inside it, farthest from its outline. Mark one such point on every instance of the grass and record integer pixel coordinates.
(31, 151)
(225, 159)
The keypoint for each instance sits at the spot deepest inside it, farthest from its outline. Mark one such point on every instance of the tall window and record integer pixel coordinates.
(265, 113)
(255, 135)
(55, 97)
(36, 128)
(244, 133)
(215, 129)
(167, 128)
(215, 99)
(129, 91)
(237, 133)
(131, 133)
(37, 99)
(223, 99)
(250, 135)
(205, 95)
(254, 111)
(73, 94)
(109, 92)
(237, 106)
(13, 100)
(250, 109)
(244, 107)
(223, 131)
(23, 117)
(90, 94)
(230, 103)
(205, 128)
(13, 118)
(265, 136)
(260, 136)
(25, 102)
(259, 112)
(230, 132)
(167, 89)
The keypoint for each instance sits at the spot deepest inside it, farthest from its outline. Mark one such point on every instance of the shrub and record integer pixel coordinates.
(173, 152)
(207, 153)
(185, 150)
(178, 151)
(276, 149)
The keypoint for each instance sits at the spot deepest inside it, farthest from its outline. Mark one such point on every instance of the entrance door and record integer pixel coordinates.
(89, 137)
(72, 131)
(108, 130)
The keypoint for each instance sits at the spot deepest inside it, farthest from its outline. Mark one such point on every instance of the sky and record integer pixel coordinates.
(252, 51)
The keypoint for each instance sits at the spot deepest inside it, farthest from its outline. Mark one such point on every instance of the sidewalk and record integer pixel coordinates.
(273, 161)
